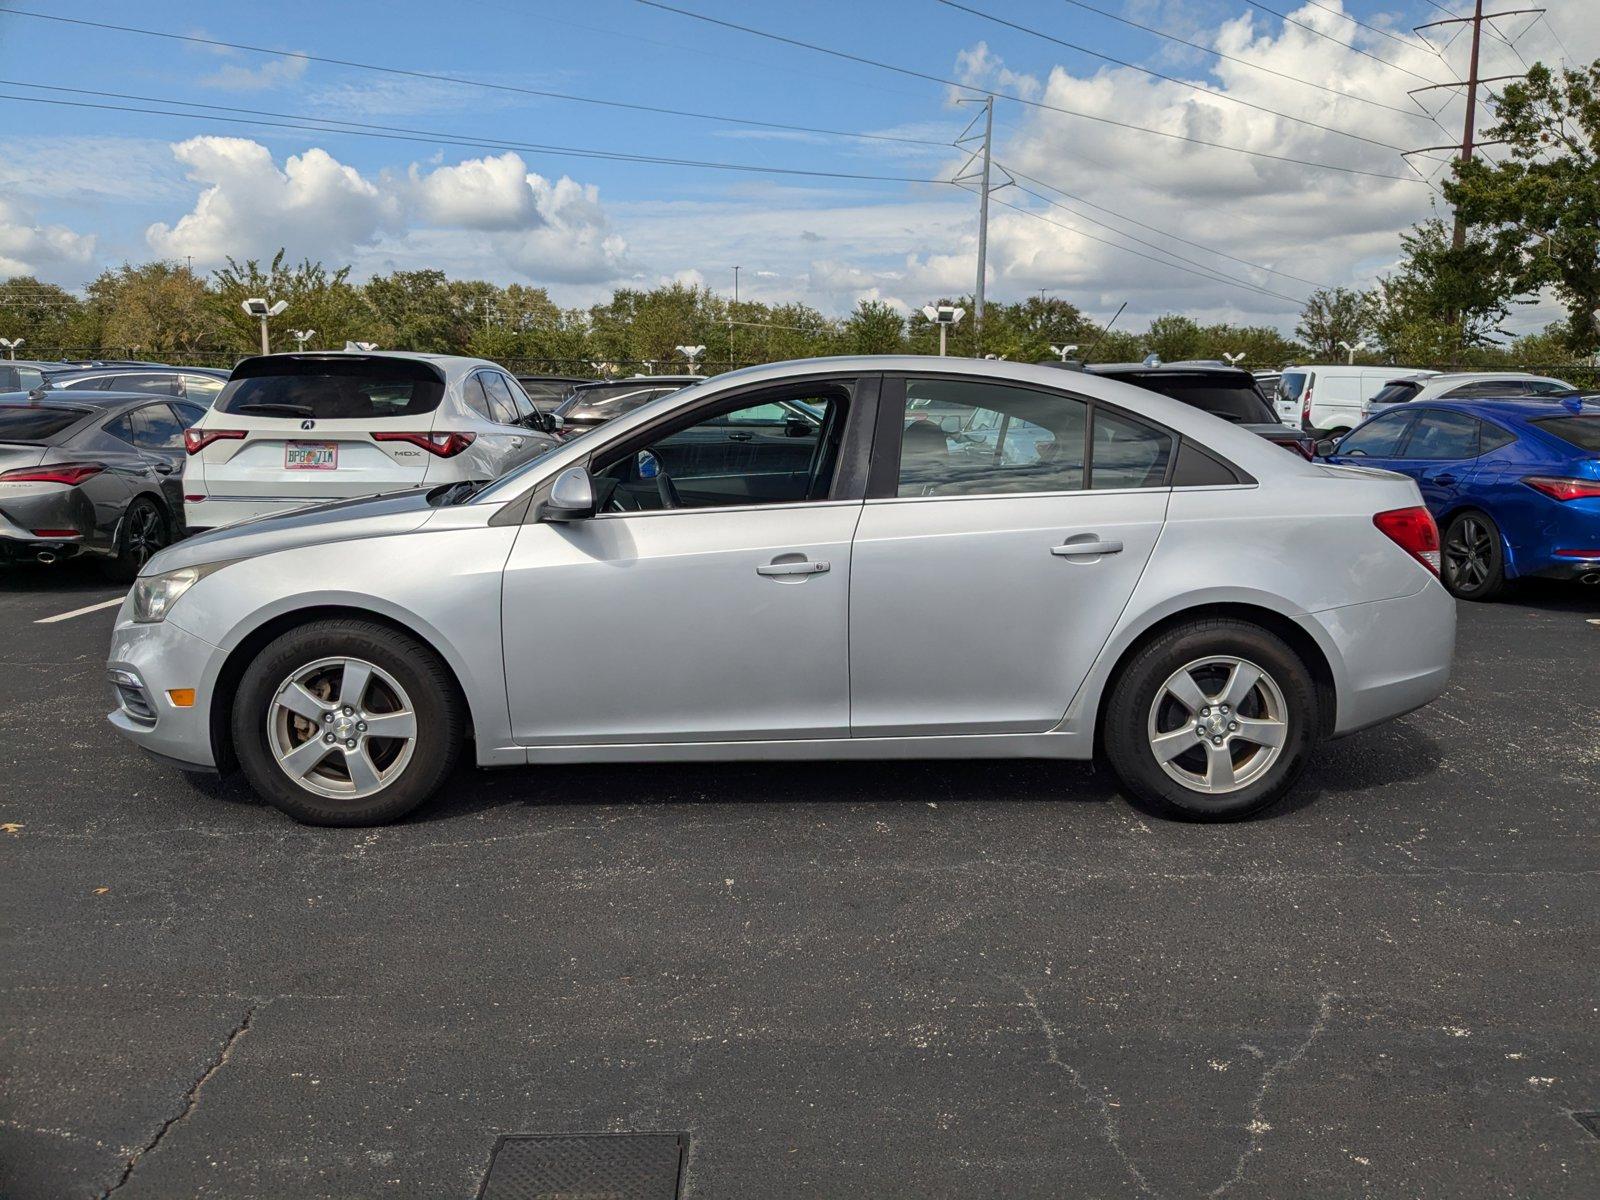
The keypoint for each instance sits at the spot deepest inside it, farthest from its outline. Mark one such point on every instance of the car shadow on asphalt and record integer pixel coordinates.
(67, 579)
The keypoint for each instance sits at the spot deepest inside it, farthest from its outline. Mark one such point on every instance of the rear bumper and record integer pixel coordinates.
(1563, 568)
(62, 510)
(1395, 655)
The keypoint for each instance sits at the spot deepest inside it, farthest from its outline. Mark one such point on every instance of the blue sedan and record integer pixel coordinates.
(1513, 484)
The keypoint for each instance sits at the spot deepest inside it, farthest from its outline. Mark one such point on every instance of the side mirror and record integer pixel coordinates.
(1326, 446)
(571, 497)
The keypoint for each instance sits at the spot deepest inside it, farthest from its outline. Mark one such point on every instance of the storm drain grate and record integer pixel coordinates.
(585, 1166)
(1589, 1120)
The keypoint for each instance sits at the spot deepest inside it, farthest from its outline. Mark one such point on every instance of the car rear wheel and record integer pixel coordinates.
(1473, 565)
(347, 722)
(1213, 720)
(143, 531)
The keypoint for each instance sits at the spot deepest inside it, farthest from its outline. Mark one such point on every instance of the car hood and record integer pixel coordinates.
(336, 521)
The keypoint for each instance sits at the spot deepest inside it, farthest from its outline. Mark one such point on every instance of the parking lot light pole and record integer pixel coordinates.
(1062, 352)
(692, 353)
(1234, 359)
(263, 312)
(944, 316)
(11, 345)
(302, 336)
(1351, 350)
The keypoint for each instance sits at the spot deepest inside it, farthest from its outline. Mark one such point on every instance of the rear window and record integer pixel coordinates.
(1238, 402)
(37, 424)
(333, 389)
(1396, 393)
(1582, 432)
(1292, 384)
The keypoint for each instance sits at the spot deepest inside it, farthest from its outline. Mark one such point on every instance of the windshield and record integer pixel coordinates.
(613, 400)
(1582, 432)
(24, 424)
(1238, 402)
(334, 389)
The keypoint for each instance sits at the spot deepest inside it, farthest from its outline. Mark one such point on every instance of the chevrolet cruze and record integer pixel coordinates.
(855, 558)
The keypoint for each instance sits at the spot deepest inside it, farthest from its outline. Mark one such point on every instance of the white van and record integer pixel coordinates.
(1327, 400)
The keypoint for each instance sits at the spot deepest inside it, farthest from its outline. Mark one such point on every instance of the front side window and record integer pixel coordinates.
(1443, 435)
(519, 398)
(737, 456)
(1379, 438)
(970, 437)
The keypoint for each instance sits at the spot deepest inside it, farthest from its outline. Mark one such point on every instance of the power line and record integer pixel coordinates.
(1207, 274)
(939, 79)
(1288, 20)
(1244, 62)
(1344, 16)
(1010, 170)
(432, 76)
(1201, 88)
(430, 137)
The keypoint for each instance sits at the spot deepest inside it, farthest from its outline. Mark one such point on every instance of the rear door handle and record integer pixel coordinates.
(1086, 549)
(1445, 478)
(739, 435)
(793, 568)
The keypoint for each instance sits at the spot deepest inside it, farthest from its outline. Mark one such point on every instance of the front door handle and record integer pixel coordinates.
(739, 435)
(1086, 549)
(793, 568)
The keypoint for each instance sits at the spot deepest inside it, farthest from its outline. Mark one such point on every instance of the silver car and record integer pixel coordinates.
(794, 562)
(290, 430)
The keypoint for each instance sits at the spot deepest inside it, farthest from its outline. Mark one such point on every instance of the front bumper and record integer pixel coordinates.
(147, 662)
(1394, 655)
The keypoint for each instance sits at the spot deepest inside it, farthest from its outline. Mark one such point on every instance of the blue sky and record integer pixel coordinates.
(81, 188)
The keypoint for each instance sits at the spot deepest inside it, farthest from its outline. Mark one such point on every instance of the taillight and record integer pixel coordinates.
(1305, 407)
(1556, 489)
(1306, 450)
(440, 445)
(1414, 531)
(68, 473)
(196, 440)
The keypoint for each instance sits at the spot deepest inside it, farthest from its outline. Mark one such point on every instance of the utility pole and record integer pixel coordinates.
(732, 362)
(982, 158)
(1458, 238)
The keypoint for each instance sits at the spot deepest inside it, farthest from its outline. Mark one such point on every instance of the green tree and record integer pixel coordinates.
(1538, 208)
(1442, 302)
(155, 310)
(417, 310)
(875, 327)
(45, 316)
(318, 299)
(1332, 316)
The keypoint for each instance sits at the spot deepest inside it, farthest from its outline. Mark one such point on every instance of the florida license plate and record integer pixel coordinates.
(311, 456)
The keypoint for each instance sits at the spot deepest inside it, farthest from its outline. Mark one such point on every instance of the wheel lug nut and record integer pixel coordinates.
(351, 744)
(362, 726)
(1233, 725)
(328, 738)
(327, 718)
(1216, 741)
(1205, 712)
(348, 710)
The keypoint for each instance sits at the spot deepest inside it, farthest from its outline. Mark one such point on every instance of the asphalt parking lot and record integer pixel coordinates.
(841, 981)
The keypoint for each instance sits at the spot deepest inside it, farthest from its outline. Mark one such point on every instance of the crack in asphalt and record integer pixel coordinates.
(190, 1099)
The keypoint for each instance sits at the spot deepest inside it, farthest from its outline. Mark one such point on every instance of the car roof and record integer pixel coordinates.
(640, 380)
(1521, 408)
(89, 401)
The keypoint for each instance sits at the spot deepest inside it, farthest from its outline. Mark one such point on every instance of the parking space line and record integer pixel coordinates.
(79, 612)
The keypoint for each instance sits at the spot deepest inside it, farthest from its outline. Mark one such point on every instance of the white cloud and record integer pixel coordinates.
(480, 193)
(29, 248)
(275, 72)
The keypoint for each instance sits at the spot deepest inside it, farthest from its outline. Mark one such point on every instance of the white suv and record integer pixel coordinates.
(297, 429)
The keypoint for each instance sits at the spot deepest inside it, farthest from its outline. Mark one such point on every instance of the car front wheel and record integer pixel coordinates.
(347, 722)
(1213, 720)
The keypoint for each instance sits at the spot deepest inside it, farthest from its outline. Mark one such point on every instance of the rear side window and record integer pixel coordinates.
(202, 388)
(1492, 437)
(333, 388)
(1443, 435)
(157, 385)
(965, 438)
(1485, 390)
(1582, 432)
(155, 427)
(1127, 453)
(22, 424)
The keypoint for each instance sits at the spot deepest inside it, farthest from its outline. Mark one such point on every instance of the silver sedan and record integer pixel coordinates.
(856, 558)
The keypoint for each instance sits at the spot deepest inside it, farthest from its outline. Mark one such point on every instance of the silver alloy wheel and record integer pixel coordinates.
(1468, 551)
(1218, 724)
(342, 728)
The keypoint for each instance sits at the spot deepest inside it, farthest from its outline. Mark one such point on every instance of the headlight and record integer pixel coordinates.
(154, 595)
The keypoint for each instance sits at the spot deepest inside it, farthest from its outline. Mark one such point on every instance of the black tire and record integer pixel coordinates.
(1133, 712)
(1472, 558)
(434, 700)
(144, 530)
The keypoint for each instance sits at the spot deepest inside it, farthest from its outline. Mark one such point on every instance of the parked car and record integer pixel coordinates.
(202, 385)
(548, 391)
(1147, 578)
(91, 474)
(23, 375)
(1514, 484)
(592, 404)
(297, 429)
(1227, 392)
(1467, 385)
(1326, 400)
(1267, 381)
